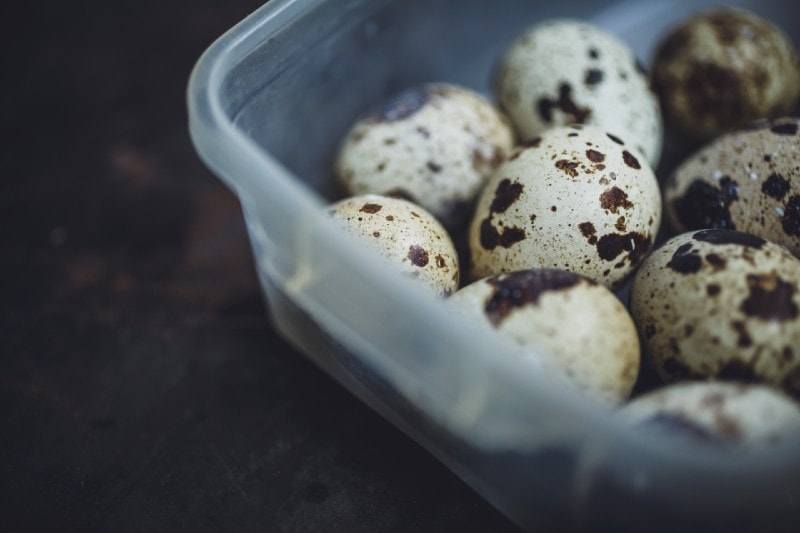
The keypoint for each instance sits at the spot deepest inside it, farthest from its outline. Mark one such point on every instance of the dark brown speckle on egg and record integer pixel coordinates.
(614, 199)
(707, 206)
(569, 167)
(595, 156)
(684, 261)
(775, 186)
(611, 245)
(593, 77)
(770, 298)
(505, 195)
(630, 160)
(587, 230)
(371, 208)
(418, 255)
(434, 167)
(491, 238)
(716, 261)
(565, 103)
(615, 139)
(791, 216)
(517, 289)
(744, 339)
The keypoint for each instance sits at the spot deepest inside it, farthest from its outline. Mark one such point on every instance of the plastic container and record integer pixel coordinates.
(268, 105)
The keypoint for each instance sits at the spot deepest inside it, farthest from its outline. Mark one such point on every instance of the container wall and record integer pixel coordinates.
(268, 107)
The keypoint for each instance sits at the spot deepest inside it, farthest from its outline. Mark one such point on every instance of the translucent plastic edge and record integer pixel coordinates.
(225, 150)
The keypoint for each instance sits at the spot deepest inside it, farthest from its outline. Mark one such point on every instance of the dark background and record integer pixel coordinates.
(141, 385)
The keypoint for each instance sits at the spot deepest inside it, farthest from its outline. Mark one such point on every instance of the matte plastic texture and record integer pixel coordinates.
(268, 105)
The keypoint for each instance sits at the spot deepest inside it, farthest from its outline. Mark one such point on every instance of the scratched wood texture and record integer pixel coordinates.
(141, 385)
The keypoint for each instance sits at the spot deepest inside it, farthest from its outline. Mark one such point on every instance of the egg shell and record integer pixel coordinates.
(564, 71)
(748, 180)
(720, 304)
(409, 237)
(716, 412)
(576, 199)
(434, 144)
(722, 68)
(599, 350)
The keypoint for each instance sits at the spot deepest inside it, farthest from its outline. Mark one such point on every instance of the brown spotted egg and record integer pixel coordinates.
(720, 304)
(577, 199)
(409, 237)
(716, 413)
(598, 352)
(722, 68)
(434, 144)
(748, 180)
(564, 71)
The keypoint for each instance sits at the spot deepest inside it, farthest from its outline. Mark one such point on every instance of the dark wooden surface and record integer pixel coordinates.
(141, 385)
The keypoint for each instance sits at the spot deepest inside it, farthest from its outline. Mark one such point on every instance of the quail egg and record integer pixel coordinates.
(406, 235)
(722, 68)
(720, 304)
(748, 180)
(564, 71)
(716, 412)
(434, 144)
(598, 352)
(576, 198)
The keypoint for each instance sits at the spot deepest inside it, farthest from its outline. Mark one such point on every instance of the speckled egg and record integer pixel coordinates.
(434, 144)
(598, 351)
(577, 199)
(718, 413)
(409, 237)
(748, 180)
(720, 304)
(564, 71)
(722, 68)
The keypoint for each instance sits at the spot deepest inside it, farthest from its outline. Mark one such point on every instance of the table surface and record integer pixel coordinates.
(141, 384)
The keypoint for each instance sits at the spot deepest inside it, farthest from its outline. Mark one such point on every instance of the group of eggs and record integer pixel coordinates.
(556, 191)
